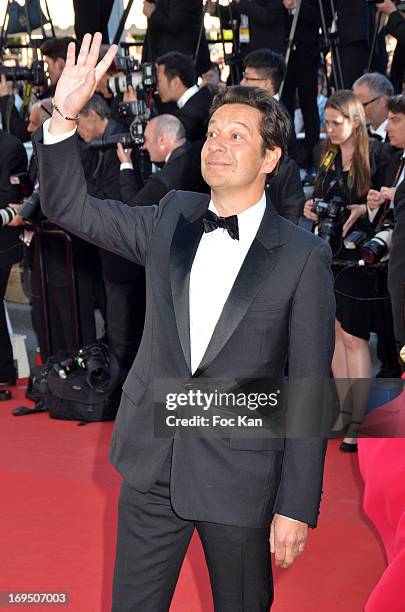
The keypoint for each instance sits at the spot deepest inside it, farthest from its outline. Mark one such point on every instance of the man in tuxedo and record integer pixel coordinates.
(374, 90)
(13, 160)
(165, 141)
(396, 268)
(233, 290)
(176, 82)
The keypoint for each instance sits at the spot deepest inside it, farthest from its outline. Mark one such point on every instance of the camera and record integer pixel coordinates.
(377, 249)
(143, 76)
(129, 140)
(7, 214)
(35, 75)
(332, 216)
(95, 359)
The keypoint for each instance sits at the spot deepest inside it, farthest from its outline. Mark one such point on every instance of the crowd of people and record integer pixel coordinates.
(355, 203)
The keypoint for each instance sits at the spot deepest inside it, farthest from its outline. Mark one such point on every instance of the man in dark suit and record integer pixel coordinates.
(165, 141)
(176, 82)
(175, 25)
(396, 268)
(233, 304)
(396, 27)
(13, 160)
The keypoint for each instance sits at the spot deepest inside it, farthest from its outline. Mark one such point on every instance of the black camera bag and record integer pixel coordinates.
(73, 398)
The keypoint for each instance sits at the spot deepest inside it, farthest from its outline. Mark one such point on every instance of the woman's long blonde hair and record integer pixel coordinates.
(346, 103)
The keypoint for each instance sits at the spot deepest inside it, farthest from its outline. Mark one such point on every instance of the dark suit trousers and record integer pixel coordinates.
(151, 545)
(6, 352)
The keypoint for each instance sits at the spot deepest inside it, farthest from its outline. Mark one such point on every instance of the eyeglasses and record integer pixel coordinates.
(249, 78)
(371, 101)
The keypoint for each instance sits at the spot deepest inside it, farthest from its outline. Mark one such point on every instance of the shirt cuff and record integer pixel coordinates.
(126, 166)
(291, 519)
(54, 138)
(371, 214)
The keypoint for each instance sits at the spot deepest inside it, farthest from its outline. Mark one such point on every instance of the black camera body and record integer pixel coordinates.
(35, 75)
(332, 216)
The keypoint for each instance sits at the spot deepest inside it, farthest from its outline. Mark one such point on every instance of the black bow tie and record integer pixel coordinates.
(212, 222)
(374, 135)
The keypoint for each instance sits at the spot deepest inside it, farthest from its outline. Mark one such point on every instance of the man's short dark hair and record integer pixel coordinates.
(396, 104)
(56, 47)
(269, 64)
(274, 126)
(99, 105)
(180, 65)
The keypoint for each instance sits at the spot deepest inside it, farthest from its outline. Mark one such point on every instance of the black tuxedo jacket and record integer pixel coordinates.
(13, 160)
(181, 171)
(285, 191)
(194, 114)
(281, 305)
(175, 26)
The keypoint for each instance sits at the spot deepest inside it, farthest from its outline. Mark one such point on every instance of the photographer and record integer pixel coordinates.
(346, 171)
(13, 160)
(166, 144)
(176, 82)
(124, 281)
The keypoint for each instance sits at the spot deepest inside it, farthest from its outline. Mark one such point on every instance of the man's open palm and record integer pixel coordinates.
(79, 78)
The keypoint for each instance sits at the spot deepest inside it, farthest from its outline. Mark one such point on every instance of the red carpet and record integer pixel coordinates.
(58, 520)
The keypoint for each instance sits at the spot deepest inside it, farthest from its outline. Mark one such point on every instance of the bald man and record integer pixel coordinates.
(165, 141)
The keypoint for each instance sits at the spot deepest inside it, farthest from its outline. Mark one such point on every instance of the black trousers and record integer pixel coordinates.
(7, 370)
(302, 75)
(125, 316)
(151, 545)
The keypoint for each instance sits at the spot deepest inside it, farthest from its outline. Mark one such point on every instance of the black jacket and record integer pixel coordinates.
(11, 119)
(182, 171)
(396, 267)
(285, 191)
(356, 21)
(280, 306)
(175, 26)
(267, 26)
(13, 160)
(102, 169)
(194, 114)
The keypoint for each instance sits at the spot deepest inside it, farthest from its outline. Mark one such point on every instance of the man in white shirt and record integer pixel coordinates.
(374, 90)
(233, 291)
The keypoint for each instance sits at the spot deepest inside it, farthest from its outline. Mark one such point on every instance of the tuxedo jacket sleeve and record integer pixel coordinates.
(396, 27)
(12, 122)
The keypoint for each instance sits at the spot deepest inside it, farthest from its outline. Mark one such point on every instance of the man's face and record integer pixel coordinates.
(54, 68)
(90, 126)
(151, 143)
(164, 86)
(254, 78)
(232, 155)
(35, 120)
(375, 107)
(396, 129)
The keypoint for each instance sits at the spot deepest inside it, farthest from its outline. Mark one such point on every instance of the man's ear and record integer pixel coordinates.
(271, 159)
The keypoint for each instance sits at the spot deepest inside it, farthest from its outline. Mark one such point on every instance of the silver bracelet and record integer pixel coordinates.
(62, 115)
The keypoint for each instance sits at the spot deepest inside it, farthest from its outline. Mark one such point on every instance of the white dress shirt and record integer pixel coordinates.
(189, 93)
(381, 130)
(215, 268)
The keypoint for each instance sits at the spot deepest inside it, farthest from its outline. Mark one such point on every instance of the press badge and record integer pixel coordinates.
(244, 36)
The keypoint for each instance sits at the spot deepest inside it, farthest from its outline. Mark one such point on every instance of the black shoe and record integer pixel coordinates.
(345, 447)
(5, 395)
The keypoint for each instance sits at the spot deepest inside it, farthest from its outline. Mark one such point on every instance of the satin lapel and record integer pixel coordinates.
(185, 241)
(256, 268)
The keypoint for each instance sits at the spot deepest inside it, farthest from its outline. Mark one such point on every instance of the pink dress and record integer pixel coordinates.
(382, 464)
